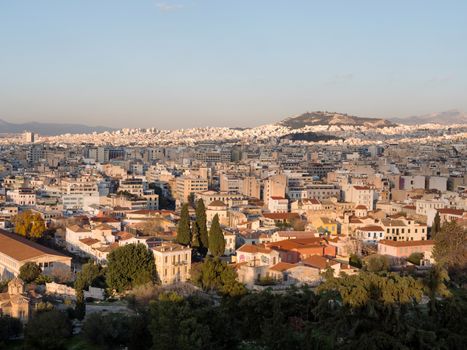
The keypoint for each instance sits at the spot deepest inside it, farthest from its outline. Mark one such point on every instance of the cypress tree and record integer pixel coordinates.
(183, 229)
(201, 226)
(436, 226)
(216, 238)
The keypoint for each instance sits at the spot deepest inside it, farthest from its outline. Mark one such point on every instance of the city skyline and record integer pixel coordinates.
(200, 63)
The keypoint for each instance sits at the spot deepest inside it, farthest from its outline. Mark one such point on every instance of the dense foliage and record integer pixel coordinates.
(130, 266)
(373, 311)
(29, 224)
(48, 330)
(215, 275)
(183, 228)
(200, 230)
(450, 250)
(216, 238)
(9, 327)
(29, 272)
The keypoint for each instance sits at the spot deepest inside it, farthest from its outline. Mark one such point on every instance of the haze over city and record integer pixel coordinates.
(179, 64)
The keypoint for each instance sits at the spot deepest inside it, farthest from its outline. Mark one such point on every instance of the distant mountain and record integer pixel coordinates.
(49, 129)
(452, 116)
(331, 118)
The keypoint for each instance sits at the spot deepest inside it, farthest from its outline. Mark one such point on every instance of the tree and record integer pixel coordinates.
(377, 263)
(216, 238)
(451, 245)
(175, 325)
(29, 272)
(9, 327)
(183, 228)
(48, 330)
(436, 226)
(116, 331)
(191, 199)
(214, 275)
(130, 266)
(355, 261)
(91, 275)
(435, 286)
(415, 258)
(201, 228)
(29, 225)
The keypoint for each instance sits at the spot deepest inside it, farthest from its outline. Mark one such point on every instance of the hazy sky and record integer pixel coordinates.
(184, 63)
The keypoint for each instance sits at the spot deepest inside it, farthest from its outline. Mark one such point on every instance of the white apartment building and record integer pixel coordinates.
(360, 195)
(22, 196)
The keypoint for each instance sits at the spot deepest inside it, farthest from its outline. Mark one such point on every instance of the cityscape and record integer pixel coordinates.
(312, 229)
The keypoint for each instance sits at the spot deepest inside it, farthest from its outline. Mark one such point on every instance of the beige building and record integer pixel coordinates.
(15, 251)
(185, 185)
(173, 262)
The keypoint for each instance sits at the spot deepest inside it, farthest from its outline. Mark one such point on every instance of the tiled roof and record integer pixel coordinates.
(20, 248)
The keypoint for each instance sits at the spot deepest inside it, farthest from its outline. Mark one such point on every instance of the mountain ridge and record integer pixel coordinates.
(452, 116)
(50, 129)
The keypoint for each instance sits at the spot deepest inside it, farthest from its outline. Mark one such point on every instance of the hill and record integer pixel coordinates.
(331, 118)
(49, 129)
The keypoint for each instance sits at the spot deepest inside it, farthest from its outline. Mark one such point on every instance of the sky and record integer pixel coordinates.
(187, 63)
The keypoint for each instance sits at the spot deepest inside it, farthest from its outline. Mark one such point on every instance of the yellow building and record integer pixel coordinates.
(326, 225)
(173, 262)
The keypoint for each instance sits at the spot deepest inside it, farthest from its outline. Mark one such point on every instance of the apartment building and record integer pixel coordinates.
(173, 262)
(185, 185)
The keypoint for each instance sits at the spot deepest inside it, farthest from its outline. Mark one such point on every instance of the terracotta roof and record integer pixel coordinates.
(89, 241)
(371, 228)
(361, 188)
(281, 216)
(281, 266)
(451, 211)
(277, 197)
(104, 219)
(316, 261)
(21, 249)
(254, 248)
(406, 243)
(361, 207)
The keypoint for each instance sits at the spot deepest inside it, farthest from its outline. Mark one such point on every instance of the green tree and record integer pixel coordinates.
(183, 228)
(201, 228)
(214, 275)
(415, 258)
(355, 261)
(436, 226)
(451, 245)
(91, 275)
(29, 225)
(434, 283)
(116, 331)
(216, 238)
(130, 266)
(176, 325)
(29, 272)
(48, 330)
(377, 263)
